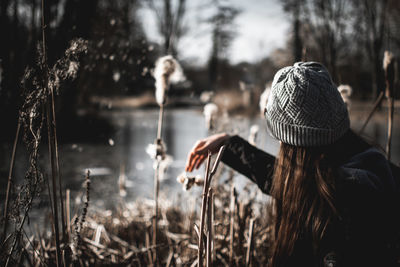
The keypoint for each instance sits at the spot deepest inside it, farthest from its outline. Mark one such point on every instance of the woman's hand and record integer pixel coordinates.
(199, 152)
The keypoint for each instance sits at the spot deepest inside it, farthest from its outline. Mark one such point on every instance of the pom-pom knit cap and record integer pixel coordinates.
(305, 108)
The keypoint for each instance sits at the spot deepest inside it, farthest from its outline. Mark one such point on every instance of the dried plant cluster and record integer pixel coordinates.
(39, 84)
(123, 237)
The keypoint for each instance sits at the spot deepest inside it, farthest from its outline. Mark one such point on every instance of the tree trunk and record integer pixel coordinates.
(298, 43)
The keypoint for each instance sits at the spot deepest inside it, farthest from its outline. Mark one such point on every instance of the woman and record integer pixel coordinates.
(336, 197)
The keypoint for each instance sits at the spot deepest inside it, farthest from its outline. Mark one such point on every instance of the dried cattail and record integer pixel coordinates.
(264, 98)
(345, 91)
(87, 199)
(246, 89)
(163, 166)
(188, 181)
(253, 134)
(210, 112)
(79, 220)
(206, 96)
(155, 150)
(72, 69)
(167, 70)
(387, 59)
(122, 181)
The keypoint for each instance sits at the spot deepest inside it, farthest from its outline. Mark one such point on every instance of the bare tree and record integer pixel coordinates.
(374, 24)
(222, 35)
(170, 22)
(327, 22)
(295, 9)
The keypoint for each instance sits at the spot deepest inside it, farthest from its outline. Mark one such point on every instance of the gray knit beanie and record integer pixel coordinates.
(304, 107)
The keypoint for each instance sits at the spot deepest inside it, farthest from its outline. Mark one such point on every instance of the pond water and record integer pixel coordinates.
(124, 151)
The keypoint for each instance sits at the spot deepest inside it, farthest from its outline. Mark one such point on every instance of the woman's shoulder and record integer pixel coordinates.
(371, 170)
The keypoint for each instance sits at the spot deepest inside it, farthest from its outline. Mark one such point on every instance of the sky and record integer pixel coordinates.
(261, 27)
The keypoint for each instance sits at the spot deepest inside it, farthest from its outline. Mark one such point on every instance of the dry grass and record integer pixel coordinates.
(123, 237)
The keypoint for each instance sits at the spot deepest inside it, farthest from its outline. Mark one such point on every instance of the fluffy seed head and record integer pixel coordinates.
(210, 112)
(264, 98)
(167, 70)
(387, 59)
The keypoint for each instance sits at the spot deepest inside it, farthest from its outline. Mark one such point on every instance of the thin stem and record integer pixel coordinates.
(51, 143)
(8, 193)
(57, 165)
(54, 184)
(390, 127)
(160, 122)
(376, 105)
(209, 262)
(147, 236)
(68, 210)
(43, 35)
(250, 243)
(203, 212)
(231, 224)
(207, 182)
(217, 160)
(155, 212)
(156, 180)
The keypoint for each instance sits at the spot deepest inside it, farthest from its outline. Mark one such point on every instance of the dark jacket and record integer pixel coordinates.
(367, 190)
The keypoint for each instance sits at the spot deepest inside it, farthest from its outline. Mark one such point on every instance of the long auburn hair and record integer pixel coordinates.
(303, 189)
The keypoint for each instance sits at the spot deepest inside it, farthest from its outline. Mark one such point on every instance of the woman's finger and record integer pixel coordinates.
(199, 161)
(189, 157)
(192, 161)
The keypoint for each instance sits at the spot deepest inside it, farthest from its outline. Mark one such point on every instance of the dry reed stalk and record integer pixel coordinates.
(209, 228)
(51, 141)
(79, 220)
(35, 251)
(9, 182)
(242, 214)
(155, 212)
(170, 257)
(157, 180)
(41, 242)
(390, 127)
(250, 243)
(192, 216)
(207, 182)
(149, 255)
(68, 211)
(388, 66)
(203, 212)
(231, 223)
(216, 163)
(212, 228)
(54, 184)
(376, 105)
(57, 165)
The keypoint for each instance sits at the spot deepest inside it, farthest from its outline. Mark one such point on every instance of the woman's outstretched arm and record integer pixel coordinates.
(243, 157)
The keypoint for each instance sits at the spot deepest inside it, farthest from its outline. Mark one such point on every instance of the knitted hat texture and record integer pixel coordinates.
(304, 107)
